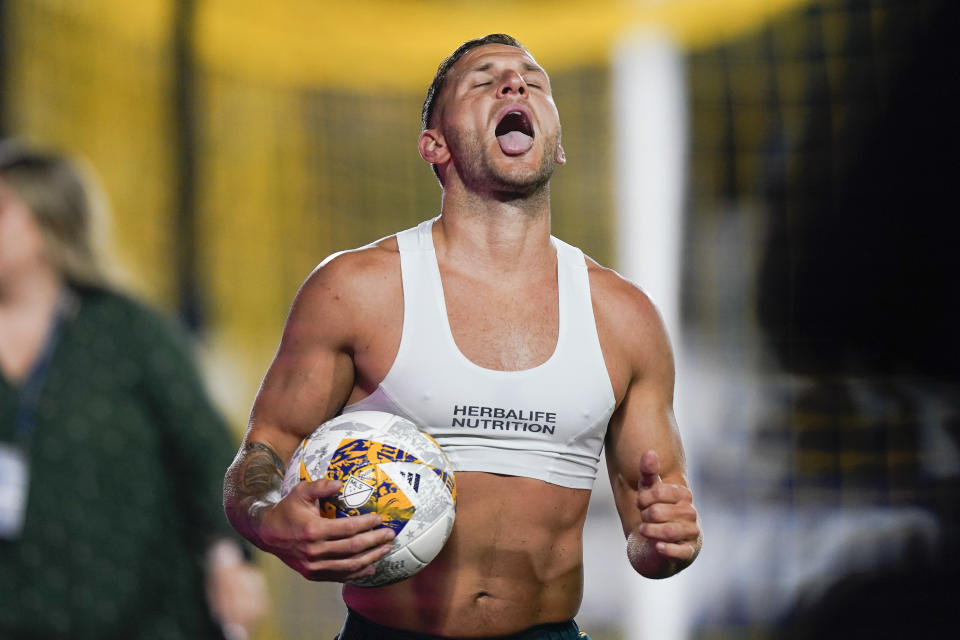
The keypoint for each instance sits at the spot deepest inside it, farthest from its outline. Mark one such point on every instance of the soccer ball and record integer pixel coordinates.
(387, 466)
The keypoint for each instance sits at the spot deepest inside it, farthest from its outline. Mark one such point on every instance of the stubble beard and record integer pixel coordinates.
(479, 173)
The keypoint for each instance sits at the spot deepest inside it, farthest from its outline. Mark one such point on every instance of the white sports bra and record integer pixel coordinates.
(547, 422)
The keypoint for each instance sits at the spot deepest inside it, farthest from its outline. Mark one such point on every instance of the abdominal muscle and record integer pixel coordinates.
(513, 560)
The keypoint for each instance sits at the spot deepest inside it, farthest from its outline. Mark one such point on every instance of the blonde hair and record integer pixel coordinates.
(66, 203)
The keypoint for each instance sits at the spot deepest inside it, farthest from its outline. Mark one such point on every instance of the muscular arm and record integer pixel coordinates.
(251, 485)
(644, 453)
(310, 379)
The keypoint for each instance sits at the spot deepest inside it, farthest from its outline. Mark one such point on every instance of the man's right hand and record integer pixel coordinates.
(319, 548)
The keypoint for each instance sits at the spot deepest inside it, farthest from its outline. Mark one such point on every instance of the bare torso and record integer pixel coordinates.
(512, 561)
(514, 558)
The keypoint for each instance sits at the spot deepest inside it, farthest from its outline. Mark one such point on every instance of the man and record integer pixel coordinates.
(498, 319)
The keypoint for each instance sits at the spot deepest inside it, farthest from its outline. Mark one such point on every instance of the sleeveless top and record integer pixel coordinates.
(547, 422)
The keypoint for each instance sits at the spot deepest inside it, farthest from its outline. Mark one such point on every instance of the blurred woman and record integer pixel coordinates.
(111, 453)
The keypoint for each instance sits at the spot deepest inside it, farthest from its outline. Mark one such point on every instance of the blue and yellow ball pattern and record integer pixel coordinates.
(387, 466)
(367, 487)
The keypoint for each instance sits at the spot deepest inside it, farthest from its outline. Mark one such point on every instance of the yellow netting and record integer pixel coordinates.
(307, 124)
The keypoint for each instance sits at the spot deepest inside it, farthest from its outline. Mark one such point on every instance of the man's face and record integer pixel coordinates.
(498, 118)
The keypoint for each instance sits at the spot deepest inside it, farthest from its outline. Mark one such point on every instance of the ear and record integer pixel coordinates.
(433, 148)
(561, 154)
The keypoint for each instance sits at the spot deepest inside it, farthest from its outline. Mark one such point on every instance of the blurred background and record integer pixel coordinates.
(777, 174)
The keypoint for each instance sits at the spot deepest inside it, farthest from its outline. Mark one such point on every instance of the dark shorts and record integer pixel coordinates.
(356, 627)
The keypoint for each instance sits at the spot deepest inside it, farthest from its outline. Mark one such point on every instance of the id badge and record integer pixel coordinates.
(14, 483)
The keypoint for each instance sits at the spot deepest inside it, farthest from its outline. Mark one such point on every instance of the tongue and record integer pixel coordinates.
(514, 143)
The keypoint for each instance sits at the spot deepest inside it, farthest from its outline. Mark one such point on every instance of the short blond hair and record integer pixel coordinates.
(67, 204)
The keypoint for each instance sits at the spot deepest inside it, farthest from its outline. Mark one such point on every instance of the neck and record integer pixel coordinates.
(504, 236)
(28, 306)
(492, 199)
(35, 292)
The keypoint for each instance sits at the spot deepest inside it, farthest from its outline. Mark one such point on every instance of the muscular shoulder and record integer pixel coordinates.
(621, 305)
(632, 333)
(355, 277)
(352, 287)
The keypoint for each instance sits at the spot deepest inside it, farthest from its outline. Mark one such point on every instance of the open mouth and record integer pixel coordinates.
(514, 133)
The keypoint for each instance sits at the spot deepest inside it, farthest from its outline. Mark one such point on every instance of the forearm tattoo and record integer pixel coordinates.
(261, 473)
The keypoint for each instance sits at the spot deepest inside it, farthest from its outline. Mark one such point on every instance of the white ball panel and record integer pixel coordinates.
(429, 543)
(393, 567)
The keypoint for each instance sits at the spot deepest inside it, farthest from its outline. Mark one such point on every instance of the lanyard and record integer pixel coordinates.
(29, 395)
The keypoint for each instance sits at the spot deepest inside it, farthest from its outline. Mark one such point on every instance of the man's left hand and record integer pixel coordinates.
(668, 538)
